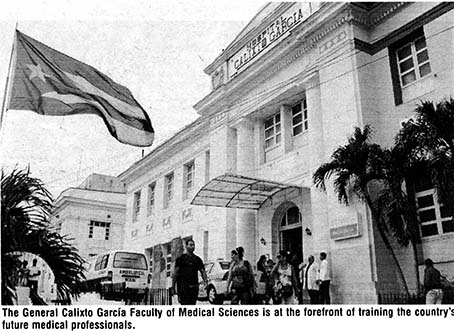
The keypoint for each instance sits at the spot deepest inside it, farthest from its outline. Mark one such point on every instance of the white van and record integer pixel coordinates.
(118, 275)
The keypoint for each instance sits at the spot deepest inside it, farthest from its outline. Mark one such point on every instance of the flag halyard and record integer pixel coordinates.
(49, 82)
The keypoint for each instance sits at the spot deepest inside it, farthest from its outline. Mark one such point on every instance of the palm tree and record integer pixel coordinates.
(396, 202)
(363, 167)
(424, 143)
(429, 140)
(26, 208)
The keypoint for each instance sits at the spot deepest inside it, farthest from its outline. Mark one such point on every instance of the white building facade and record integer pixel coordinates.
(93, 214)
(287, 92)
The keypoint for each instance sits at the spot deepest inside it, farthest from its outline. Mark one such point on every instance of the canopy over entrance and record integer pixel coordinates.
(234, 191)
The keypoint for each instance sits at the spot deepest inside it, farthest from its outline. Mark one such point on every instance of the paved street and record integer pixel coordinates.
(23, 296)
(94, 299)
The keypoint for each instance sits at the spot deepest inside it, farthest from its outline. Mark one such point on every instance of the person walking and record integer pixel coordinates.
(24, 273)
(261, 264)
(185, 280)
(432, 283)
(296, 260)
(269, 282)
(240, 283)
(33, 277)
(324, 279)
(310, 279)
(286, 287)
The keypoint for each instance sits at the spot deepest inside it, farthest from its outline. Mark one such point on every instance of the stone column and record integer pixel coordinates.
(222, 160)
(320, 223)
(246, 219)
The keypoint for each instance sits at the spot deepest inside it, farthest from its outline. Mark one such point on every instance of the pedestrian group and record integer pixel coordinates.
(284, 280)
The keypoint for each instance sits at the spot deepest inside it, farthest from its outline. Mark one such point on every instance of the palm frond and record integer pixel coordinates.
(26, 208)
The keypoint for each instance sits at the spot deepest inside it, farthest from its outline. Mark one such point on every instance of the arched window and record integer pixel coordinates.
(292, 217)
(291, 231)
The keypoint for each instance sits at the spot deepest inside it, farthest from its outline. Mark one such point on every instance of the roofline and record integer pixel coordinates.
(86, 189)
(238, 43)
(161, 148)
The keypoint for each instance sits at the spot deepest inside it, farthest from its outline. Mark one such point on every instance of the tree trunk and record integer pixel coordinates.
(393, 255)
(416, 266)
(387, 244)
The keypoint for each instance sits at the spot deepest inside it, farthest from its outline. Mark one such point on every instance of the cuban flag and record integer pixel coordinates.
(49, 82)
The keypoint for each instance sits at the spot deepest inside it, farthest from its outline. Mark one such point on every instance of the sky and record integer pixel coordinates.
(157, 49)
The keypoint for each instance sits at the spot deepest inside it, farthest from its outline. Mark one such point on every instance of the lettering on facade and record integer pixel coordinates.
(332, 42)
(186, 215)
(149, 228)
(345, 231)
(218, 118)
(268, 37)
(166, 222)
(134, 233)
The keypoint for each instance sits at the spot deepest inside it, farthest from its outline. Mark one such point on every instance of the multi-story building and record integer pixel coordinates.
(285, 94)
(92, 214)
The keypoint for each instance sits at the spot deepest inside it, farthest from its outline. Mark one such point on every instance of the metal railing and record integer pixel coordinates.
(404, 298)
(158, 296)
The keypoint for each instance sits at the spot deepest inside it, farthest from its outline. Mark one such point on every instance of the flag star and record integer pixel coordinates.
(36, 71)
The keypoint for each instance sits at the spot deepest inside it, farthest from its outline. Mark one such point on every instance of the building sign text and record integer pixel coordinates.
(268, 37)
(345, 231)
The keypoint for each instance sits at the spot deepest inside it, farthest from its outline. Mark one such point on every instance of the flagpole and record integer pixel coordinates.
(8, 81)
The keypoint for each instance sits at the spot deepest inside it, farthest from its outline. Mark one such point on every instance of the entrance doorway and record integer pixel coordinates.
(291, 231)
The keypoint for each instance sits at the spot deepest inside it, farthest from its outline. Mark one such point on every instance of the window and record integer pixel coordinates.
(300, 123)
(168, 195)
(136, 211)
(129, 260)
(207, 166)
(169, 260)
(272, 131)
(99, 230)
(413, 61)
(291, 217)
(150, 265)
(151, 198)
(101, 262)
(434, 218)
(409, 62)
(188, 185)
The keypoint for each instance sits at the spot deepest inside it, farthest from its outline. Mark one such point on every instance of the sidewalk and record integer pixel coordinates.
(23, 296)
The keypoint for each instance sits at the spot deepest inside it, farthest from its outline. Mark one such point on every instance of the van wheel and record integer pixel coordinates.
(213, 296)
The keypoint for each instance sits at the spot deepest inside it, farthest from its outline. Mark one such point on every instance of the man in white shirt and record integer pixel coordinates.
(310, 279)
(325, 279)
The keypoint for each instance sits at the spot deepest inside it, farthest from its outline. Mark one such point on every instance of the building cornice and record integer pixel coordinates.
(299, 42)
(70, 200)
(369, 18)
(182, 139)
(236, 44)
(330, 17)
(386, 41)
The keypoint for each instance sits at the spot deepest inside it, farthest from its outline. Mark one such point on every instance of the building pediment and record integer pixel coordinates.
(278, 35)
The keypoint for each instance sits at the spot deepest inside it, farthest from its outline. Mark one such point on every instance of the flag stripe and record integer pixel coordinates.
(118, 128)
(121, 106)
(61, 62)
(51, 83)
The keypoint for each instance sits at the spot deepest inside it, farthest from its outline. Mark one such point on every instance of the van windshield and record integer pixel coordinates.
(129, 260)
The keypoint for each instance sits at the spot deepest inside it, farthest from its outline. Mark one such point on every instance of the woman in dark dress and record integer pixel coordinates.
(241, 279)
